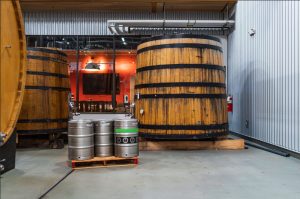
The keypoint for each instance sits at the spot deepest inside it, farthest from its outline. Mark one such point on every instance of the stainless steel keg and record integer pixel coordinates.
(126, 138)
(104, 138)
(81, 139)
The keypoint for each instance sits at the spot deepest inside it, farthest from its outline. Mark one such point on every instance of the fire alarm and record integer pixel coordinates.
(229, 103)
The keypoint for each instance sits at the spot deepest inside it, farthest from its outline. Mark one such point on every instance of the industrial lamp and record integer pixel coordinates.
(92, 66)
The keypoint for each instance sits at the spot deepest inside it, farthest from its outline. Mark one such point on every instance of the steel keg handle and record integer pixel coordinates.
(128, 115)
(89, 124)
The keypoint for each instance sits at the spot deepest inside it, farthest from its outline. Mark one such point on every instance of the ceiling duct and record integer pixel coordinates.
(119, 27)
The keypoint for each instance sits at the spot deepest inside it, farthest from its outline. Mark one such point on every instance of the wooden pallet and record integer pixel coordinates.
(103, 162)
(220, 144)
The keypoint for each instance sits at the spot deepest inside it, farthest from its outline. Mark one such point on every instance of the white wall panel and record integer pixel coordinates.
(264, 72)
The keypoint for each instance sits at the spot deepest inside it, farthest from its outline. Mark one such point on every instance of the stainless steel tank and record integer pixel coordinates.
(126, 138)
(81, 139)
(104, 138)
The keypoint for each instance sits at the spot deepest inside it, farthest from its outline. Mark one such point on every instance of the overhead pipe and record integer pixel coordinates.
(125, 26)
(112, 29)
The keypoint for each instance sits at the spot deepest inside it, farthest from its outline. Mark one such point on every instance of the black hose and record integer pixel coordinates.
(268, 149)
(53, 186)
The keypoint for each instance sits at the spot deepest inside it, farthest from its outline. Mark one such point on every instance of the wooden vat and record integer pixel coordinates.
(45, 106)
(180, 88)
(12, 66)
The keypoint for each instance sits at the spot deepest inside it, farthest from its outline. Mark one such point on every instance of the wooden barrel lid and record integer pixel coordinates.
(12, 65)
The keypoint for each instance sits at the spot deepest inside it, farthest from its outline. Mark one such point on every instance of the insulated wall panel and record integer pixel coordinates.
(263, 74)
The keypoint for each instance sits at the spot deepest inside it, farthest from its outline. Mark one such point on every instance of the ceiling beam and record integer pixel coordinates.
(121, 5)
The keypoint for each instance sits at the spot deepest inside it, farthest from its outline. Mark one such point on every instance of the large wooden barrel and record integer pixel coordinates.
(45, 104)
(180, 88)
(12, 66)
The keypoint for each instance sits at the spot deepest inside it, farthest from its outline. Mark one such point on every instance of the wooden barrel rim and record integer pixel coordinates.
(42, 131)
(183, 96)
(43, 120)
(42, 73)
(173, 66)
(44, 58)
(181, 84)
(179, 36)
(180, 45)
(47, 88)
(47, 50)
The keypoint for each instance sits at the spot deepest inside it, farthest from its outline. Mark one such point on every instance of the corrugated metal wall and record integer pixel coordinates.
(95, 23)
(264, 72)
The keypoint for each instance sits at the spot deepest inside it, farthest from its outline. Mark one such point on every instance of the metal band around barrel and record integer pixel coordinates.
(47, 88)
(43, 58)
(42, 131)
(46, 50)
(47, 74)
(151, 96)
(181, 36)
(130, 130)
(181, 84)
(44, 120)
(181, 45)
(184, 127)
(174, 66)
(182, 136)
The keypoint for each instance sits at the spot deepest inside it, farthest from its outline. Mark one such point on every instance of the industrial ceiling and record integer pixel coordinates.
(121, 5)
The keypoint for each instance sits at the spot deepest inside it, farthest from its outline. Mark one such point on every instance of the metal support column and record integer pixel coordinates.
(113, 97)
(77, 72)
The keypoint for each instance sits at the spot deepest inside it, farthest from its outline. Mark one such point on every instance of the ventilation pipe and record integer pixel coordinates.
(127, 26)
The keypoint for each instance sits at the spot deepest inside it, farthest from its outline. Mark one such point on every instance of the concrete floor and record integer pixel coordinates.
(243, 174)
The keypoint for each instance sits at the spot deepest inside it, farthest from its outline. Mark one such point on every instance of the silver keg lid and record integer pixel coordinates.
(80, 121)
(126, 123)
(101, 122)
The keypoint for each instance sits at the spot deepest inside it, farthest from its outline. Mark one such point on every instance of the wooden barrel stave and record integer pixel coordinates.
(195, 56)
(45, 107)
(182, 89)
(180, 75)
(188, 114)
